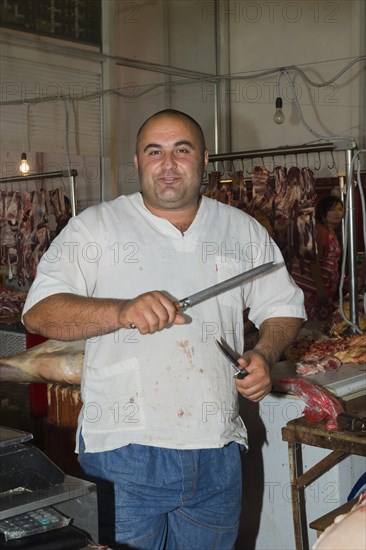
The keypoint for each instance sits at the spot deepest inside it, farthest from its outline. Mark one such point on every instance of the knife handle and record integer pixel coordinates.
(182, 304)
(351, 422)
(241, 374)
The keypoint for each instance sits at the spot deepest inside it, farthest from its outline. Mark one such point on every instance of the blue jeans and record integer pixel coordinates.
(156, 498)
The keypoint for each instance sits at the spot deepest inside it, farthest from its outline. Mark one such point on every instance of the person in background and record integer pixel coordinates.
(160, 431)
(320, 279)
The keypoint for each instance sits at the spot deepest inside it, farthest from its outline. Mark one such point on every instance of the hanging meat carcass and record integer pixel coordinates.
(220, 190)
(281, 206)
(238, 188)
(304, 230)
(24, 232)
(33, 235)
(213, 185)
(60, 211)
(13, 208)
(11, 214)
(263, 191)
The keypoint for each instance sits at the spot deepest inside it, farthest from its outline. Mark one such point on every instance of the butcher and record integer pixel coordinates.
(160, 431)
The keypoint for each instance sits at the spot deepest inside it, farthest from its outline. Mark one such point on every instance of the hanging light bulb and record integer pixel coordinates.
(279, 117)
(226, 178)
(24, 166)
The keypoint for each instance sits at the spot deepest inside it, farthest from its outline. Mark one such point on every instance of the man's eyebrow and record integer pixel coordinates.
(185, 142)
(152, 146)
(177, 144)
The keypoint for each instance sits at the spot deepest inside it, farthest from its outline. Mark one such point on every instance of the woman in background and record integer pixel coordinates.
(320, 279)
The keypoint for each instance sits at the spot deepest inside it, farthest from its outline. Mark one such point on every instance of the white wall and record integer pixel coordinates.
(36, 75)
(243, 38)
(166, 33)
(320, 38)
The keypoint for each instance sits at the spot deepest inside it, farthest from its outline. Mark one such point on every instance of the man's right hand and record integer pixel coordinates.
(149, 312)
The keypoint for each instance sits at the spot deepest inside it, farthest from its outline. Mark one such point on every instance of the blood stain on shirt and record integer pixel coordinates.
(180, 412)
(189, 351)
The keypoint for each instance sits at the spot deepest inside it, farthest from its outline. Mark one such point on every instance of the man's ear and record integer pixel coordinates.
(135, 161)
(205, 156)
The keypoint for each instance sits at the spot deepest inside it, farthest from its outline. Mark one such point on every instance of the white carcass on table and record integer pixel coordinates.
(51, 361)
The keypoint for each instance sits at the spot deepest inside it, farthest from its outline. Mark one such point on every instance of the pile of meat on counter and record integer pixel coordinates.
(284, 202)
(24, 232)
(325, 354)
(11, 301)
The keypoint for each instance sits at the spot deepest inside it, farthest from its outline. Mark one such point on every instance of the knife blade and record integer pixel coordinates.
(240, 373)
(219, 288)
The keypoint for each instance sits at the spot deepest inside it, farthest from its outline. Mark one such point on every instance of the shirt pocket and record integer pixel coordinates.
(113, 397)
(226, 270)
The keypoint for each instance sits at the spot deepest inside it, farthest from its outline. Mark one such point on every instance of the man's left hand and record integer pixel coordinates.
(257, 384)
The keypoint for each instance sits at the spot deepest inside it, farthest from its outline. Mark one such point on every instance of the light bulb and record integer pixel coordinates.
(226, 178)
(279, 117)
(24, 166)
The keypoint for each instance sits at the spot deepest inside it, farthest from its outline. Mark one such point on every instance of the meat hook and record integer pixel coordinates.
(317, 168)
(333, 165)
(252, 168)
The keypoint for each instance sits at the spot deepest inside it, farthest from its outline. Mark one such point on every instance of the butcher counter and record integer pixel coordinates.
(300, 432)
(266, 479)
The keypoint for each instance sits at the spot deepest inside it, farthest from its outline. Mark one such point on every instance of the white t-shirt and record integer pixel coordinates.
(172, 388)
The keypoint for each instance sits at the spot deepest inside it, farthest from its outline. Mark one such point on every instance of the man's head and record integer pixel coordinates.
(173, 113)
(170, 157)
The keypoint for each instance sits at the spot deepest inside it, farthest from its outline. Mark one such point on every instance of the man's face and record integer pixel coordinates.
(170, 163)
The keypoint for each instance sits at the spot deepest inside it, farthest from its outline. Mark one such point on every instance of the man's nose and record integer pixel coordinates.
(169, 160)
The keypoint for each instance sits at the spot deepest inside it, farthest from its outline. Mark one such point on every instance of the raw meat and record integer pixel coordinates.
(57, 200)
(263, 190)
(24, 232)
(313, 365)
(11, 301)
(348, 530)
(348, 349)
(320, 404)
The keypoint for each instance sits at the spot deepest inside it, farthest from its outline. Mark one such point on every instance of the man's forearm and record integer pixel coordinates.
(69, 317)
(275, 335)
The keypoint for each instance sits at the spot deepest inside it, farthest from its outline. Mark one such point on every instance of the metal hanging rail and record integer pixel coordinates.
(50, 175)
(283, 151)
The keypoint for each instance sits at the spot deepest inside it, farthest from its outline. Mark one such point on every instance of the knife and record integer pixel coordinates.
(214, 290)
(240, 373)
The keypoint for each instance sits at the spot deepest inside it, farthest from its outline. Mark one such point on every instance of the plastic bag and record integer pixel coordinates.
(320, 403)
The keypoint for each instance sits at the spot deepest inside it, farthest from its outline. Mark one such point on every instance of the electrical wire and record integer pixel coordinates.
(300, 113)
(144, 89)
(28, 126)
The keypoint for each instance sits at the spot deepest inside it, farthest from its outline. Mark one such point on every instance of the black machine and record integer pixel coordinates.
(41, 508)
